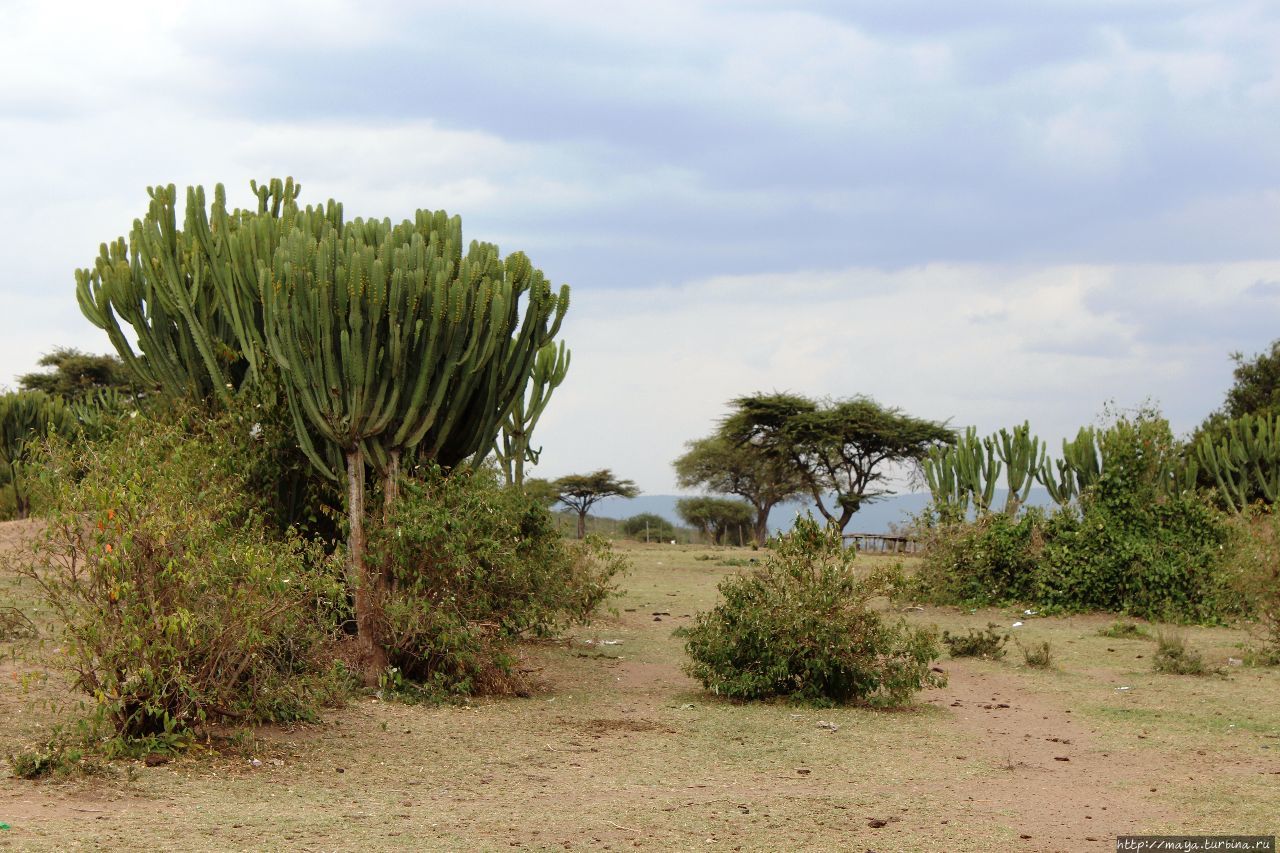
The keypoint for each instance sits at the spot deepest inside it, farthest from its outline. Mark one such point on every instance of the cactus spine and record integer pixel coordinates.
(513, 448)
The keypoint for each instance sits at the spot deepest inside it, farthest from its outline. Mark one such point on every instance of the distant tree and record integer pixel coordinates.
(648, 524)
(715, 516)
(846, 447)
(542, 490)
(76, 375)
(720, 465)
(580, 492)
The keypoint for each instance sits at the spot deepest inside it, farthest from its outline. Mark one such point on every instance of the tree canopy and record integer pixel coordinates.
(580, 492)
(715, 517)
(846, 448)
(74, 375)
(720, 465)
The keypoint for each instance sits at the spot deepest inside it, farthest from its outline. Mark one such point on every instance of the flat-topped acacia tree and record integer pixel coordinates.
(389, 339)
(580, 492)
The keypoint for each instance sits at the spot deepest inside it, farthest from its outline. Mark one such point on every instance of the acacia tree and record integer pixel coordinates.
(714, 516)
(74, 375)
(580, 492)
(842, 447)
(720, 465)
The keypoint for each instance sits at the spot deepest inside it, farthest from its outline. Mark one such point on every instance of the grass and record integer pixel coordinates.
(620, 750)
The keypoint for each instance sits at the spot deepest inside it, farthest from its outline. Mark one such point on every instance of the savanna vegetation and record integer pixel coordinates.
(302, 479)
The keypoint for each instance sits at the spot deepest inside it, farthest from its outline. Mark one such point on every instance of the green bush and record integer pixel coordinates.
(988, 643)
(801, 626)
(1038, 655)
(176, 606)
(650, 524)
(1131, 545)
(470, 567)
(1254, 572)
(994, 560)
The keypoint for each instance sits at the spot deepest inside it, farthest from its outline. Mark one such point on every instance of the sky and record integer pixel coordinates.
(984, 212)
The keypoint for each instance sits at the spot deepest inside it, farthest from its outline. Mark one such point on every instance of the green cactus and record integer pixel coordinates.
(1023, 456)
(197, 323)
(1245, 463)
(512, 448)
(390, 340)
(964, 474)
(950, 494)
(26, 417)
(1058, 479)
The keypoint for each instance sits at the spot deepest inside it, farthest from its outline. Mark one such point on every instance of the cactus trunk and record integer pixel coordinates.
(364, 586)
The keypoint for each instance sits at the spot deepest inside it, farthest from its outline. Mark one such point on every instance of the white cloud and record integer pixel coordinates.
(983, 345)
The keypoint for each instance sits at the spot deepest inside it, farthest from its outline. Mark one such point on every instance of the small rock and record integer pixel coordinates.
(876, 823)
(1061, 758)
(155, 759)
(803, 771)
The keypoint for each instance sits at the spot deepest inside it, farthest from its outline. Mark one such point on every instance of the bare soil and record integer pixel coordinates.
(619, 749)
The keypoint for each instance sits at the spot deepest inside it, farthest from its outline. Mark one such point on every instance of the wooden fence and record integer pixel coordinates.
(878, 543)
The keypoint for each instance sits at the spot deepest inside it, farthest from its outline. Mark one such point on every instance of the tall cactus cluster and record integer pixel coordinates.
(26, 417)
(390, 339)
(968, 472)
(513, 447)
(1245, 461)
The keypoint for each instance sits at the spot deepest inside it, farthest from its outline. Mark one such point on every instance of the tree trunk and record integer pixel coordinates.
(21, 506)
(582, 524)
(391, 484)
(760, 531)
(364, 587)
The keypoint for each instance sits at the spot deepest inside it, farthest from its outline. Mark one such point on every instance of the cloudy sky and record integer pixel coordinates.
(988, 211)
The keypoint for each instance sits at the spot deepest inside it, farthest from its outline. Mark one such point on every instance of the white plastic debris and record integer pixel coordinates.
(253, 762)
(1016, 625)
(1122, 689)
(1028, 613)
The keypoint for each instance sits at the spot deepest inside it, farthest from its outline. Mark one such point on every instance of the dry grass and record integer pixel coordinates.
(619, 750)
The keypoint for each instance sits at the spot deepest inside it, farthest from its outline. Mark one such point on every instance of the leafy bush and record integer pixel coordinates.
(1038, 655)
(988, 643)
(1254, 571)
(1174, 657)
(801, 626)
(994, 560)
(176, 607)
(468, 568)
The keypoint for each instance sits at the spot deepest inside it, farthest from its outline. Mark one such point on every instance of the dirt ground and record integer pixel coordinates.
(620, 750)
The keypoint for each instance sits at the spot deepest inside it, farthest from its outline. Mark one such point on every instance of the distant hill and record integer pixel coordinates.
(874, 517)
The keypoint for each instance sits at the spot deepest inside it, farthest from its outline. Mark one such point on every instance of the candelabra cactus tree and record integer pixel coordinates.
(963, 474)
(390, 339)
(1023, 456)
(26, 417)
(513, 447)
(1245, 463)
